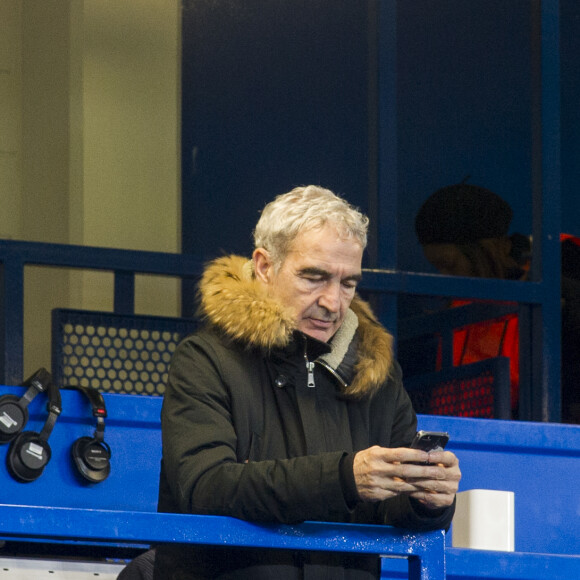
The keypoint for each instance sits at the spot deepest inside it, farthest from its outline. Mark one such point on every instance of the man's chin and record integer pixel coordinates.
(324, 334)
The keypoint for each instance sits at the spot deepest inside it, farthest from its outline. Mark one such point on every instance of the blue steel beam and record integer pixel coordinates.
(386, 206)
(439, 285)
(463, 564)
(71, 256)
(546, 400)
(426, 551)
(124, 299)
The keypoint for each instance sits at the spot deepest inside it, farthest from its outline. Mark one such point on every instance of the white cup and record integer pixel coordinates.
(484, 520)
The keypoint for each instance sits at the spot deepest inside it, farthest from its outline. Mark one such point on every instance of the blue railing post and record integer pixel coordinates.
(546, 402)
(386, 206)
(124, 299)
(11, 320)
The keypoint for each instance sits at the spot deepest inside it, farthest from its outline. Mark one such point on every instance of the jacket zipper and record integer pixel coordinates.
(309, 367)
(310, 370)
(340, 380)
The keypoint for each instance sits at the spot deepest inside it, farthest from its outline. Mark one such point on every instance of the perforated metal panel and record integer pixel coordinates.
(476, 390)
(461, 398)
(115, 353)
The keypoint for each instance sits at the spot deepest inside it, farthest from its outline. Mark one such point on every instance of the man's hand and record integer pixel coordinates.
(381, 473)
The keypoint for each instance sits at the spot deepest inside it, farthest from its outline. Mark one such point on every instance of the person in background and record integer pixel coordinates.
(289, 406)
(463, 230)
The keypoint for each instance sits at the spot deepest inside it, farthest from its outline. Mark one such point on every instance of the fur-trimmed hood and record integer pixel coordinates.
(232, 300)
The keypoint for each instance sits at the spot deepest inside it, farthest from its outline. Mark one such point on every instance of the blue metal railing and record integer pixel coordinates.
(122, 510)
(125, 265)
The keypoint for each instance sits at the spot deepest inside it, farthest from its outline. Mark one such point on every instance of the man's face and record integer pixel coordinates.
(317, 279)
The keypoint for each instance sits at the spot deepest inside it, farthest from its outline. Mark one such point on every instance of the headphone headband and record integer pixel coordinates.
(39, 382)
(98, 407)
(54, 407)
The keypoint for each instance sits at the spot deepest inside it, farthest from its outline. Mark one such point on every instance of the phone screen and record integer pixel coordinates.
(430, 440)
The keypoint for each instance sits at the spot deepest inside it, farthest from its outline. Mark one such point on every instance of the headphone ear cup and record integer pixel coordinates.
(13, 418)
(28, 456)
(91, 458)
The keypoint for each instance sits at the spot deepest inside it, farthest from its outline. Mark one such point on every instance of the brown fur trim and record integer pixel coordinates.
(375, 356)
(232, 300)
(239, 306)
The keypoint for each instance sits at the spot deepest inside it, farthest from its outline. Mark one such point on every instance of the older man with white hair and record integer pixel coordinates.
(288, 405)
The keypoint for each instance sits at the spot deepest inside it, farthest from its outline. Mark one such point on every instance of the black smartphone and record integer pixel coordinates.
(430, 440)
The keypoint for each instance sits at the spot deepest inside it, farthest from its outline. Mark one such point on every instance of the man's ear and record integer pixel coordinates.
(263, 267)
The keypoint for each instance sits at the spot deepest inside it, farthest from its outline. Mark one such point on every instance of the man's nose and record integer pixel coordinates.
(330, 298)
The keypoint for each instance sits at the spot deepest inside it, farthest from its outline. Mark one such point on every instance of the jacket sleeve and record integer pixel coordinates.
(200, 464)
(401, 511)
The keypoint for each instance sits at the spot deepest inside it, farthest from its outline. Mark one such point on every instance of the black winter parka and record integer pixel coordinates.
(252, 430)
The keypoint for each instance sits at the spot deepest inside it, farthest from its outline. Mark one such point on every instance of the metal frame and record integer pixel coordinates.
(425, 551)
(540, 299)
(144, 343)
(125, 264)
(121, 511)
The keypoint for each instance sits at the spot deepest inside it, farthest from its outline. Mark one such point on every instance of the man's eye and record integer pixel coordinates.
(350, 284)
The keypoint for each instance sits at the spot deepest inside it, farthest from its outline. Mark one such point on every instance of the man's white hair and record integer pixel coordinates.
(303, 209)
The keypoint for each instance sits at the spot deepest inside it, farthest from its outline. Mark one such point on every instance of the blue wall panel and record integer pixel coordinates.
(278, 94)
(274, 96)
(539, 462)
(132, 430)
(464, 106)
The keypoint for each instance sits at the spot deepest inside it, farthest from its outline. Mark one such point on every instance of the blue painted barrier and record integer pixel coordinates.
(477, 564)
(60, 507)
(463, 564)
(132, 430)
(538, 461)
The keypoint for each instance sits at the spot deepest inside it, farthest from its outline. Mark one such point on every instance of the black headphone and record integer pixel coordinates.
(29, 451)
(91, 455)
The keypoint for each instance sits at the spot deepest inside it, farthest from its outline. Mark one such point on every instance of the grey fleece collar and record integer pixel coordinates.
(341, 340)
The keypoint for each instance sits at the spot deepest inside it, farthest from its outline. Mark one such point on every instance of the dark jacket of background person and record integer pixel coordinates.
(245, 436)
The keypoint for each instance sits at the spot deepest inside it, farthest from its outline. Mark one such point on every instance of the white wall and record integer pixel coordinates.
(10, 118)
(131, 95)
(89, 144)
